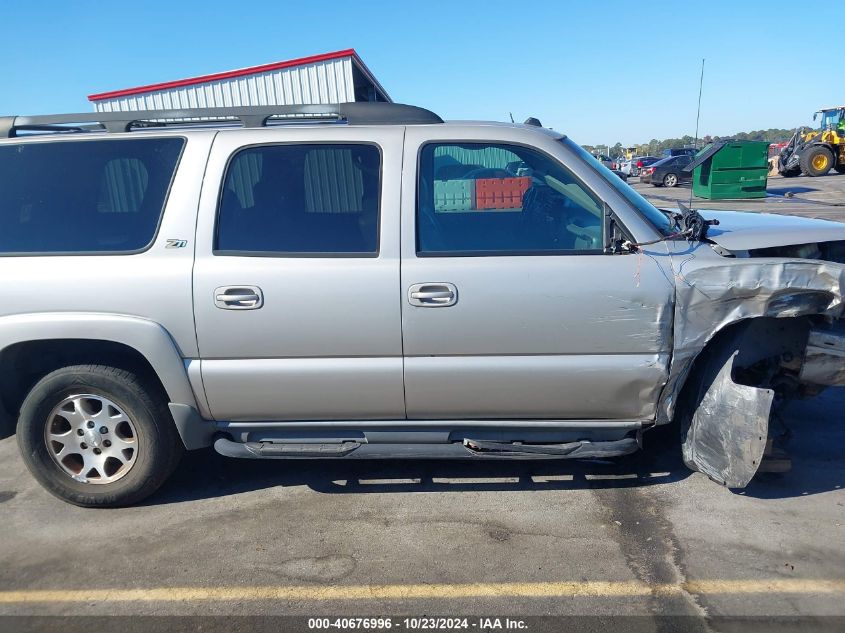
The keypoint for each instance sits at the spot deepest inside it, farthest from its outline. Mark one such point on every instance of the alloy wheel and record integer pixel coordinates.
(91, 439)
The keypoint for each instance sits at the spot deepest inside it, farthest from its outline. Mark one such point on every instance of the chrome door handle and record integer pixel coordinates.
(238, 297)
(433, 295)
(443, 294)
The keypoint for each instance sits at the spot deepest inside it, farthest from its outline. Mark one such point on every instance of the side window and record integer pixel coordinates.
(91, 196)
(124, 183)
(303, 199)
(498, 199)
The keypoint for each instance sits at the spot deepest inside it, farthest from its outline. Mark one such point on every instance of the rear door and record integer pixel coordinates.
(511, 309)
(297, 273)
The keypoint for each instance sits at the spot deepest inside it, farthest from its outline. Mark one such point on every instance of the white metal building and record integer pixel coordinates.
(338, 77)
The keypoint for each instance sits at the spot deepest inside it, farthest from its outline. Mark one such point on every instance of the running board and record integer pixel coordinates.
(467, 449)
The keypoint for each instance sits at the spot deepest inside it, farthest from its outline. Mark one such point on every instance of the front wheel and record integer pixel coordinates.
(816, 160)
(670, 180)
(97, 436)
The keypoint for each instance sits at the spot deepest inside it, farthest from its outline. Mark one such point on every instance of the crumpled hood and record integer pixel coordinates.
(742, 231)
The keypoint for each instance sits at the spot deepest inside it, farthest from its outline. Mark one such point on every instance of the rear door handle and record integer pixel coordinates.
(238, 297)
(433, 295)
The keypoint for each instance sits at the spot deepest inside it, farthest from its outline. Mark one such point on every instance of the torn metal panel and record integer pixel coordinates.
(572, 450)
(714, 292)
(727, 436)
(824, 359)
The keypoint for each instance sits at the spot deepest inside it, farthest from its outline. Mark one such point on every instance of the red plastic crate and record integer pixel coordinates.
(500, 193)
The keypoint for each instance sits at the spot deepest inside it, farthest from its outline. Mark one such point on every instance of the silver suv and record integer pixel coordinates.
(367, 281)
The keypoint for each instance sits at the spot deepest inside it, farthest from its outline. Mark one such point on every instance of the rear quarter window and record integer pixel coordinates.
(88, 196)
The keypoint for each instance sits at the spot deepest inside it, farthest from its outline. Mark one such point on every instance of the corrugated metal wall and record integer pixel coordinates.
(327, 81)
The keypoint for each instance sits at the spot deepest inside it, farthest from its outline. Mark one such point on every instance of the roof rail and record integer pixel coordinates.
(363, 113)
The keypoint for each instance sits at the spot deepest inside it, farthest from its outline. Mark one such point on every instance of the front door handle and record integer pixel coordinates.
(433, 295)
(238, 297)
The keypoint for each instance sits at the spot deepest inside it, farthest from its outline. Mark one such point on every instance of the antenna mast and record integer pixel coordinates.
(697, 119)
(698, 114)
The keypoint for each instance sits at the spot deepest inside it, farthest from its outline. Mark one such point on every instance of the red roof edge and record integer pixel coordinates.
(349, 52)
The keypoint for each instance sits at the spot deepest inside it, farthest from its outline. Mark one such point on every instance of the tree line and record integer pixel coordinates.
(655, 147)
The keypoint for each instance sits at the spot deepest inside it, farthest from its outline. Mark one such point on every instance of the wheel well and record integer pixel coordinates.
(24, 364)
(778, 342)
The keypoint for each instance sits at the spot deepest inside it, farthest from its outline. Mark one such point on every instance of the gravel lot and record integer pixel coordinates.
(639, 536)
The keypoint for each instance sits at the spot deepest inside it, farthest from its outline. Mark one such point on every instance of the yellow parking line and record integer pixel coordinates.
(598, 589)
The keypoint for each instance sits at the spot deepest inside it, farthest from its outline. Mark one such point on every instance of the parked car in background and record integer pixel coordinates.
(679, 151)
(633, 166)
(607, 161)
(668, 172)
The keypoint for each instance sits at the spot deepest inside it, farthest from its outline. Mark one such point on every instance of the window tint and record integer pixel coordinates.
(301, 199)
(84, 196)
(477, 198)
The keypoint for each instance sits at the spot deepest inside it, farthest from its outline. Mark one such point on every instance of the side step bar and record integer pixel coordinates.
(467, 449)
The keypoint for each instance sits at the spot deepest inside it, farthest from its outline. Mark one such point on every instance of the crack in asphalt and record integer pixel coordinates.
(653, 553)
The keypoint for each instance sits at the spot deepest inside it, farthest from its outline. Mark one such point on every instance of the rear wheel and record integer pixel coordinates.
(97, 436)
(670, 180)
(816, 160)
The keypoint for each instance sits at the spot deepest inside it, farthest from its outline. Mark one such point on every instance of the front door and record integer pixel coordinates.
(297, 272)
(510, 307)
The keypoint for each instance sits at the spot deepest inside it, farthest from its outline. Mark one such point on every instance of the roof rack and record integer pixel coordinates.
(362, 113)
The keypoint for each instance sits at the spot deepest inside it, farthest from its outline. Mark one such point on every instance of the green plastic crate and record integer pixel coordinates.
(731, 170)
(454, 195)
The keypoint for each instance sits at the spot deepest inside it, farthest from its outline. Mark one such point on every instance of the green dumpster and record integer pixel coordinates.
(730, 169)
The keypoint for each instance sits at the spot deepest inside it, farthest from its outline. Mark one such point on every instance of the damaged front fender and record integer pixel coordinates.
(724, 420)
(712, 295)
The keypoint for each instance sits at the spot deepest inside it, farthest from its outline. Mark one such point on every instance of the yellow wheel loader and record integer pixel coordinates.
(816, 152)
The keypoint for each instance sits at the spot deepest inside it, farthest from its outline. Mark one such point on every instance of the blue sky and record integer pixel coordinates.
(599, 71)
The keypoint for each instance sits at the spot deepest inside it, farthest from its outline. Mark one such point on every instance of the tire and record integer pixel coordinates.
(840, 169)
(792, 173)
(670, 180)
(139, 446)
(816, 160)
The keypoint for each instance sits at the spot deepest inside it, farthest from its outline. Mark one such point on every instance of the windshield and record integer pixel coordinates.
(659, 219)
(830, 119)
